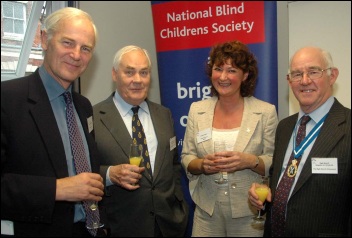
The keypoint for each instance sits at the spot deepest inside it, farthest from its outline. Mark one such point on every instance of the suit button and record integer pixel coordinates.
(151, 213)
(153, 188)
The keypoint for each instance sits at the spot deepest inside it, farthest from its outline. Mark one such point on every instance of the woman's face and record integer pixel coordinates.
(227, 79)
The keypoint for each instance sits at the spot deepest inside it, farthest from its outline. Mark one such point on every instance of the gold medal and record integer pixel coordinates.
(292, 169)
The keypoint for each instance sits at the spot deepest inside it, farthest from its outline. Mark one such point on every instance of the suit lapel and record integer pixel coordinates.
(281, 144)
(205, 122)
(158, 124)
(112, 120)
(250, 119)
(44, 118)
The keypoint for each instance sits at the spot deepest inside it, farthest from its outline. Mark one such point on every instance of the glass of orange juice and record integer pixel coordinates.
(135, 155)
(262, 191)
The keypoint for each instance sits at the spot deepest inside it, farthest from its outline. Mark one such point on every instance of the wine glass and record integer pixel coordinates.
(95, 224)
(262, 191)
(220, 146)
(135, 155)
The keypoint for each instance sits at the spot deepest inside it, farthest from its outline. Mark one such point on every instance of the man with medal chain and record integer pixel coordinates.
(317, 182)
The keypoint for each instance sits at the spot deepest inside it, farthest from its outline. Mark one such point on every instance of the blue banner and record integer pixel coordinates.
(184, 33)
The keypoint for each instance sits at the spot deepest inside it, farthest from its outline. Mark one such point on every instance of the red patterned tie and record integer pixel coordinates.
(79, 155)
(139, 138)
(285, 185)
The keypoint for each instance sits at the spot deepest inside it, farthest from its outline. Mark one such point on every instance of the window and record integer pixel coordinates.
(14, 18)
(21, 51)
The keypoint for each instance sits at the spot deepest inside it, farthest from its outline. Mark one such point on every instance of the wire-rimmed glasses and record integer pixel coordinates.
(312, 74)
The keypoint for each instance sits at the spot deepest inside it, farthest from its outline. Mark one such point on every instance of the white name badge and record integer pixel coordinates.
(172, 143)
(7, 228)
(203, 135)
(324, 166)
(90, 124)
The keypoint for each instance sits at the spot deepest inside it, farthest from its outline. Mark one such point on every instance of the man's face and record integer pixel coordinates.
(311, 94)
(69, 51)
(133, 77)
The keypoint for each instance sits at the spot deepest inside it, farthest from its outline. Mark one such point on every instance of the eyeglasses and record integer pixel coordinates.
(311, 74)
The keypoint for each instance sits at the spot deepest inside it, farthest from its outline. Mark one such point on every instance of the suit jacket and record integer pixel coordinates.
(256, 136)
(133, 213)
(33, 158)
(320, 204)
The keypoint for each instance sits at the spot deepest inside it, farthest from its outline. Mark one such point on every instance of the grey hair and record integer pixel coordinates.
(126, 49)
(326, 58)
(52, 22)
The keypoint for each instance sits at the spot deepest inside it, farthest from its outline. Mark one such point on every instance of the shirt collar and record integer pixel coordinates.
(125, 107)
(320, 112)
(52, 87)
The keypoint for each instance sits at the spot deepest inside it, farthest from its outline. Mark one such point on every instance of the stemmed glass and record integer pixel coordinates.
(95, 224)
(135, 155)
(262, 191)
(218, 147)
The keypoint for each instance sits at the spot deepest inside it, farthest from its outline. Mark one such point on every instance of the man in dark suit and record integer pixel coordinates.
(41, 192)
(139, 204)
(319, 202)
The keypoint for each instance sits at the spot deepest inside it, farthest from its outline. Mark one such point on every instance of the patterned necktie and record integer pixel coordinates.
(79, 157)
(138, 137)
(285, 185)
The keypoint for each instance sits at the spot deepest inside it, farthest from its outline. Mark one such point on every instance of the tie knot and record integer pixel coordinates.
(135, 109)
(305, 120)
(67, 97)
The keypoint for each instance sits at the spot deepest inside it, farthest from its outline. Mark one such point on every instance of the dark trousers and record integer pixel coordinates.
(157, 231)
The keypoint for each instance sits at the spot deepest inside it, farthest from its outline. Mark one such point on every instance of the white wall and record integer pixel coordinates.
(119, 24)
(325, 24)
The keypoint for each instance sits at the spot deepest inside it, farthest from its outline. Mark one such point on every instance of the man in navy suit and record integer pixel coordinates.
(319, 202)
(41, 193)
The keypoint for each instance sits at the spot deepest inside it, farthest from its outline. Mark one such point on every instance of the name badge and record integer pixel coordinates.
(203, 135)
(90, 124)
(7, 228)
(324, 166)
(172, 143)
